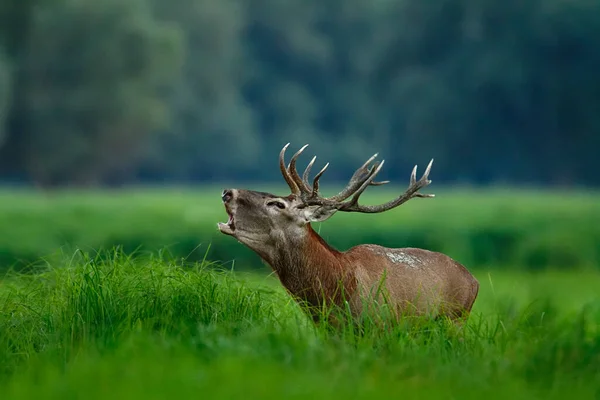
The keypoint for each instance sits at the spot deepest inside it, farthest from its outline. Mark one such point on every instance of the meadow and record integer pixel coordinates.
(177, 310)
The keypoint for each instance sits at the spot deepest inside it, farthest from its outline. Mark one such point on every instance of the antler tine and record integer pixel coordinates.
(378, 183)
(315, 189)
(286, 175)
(425, 177)
(356, 181)
(294, 173)
(413, 188)
(413, 176)
(373, 183)
(350, 205)
(428, 169)
(307, 170)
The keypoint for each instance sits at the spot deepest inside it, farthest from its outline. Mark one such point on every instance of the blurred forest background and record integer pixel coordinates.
(105, 93)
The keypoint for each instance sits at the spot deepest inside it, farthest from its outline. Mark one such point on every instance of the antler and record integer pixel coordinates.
(299, 185)
(285, 172)
(412, 191)
(358, 178)
(362, 178)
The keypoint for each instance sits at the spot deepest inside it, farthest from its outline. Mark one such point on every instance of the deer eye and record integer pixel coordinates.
(277, 204)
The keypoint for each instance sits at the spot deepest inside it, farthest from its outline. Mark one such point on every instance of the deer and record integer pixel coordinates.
(410, 281)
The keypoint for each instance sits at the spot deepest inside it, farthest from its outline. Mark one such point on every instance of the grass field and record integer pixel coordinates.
(112, 324)
(119, 327)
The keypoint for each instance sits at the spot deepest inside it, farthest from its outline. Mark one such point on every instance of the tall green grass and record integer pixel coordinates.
(482, 229)
(116, 325)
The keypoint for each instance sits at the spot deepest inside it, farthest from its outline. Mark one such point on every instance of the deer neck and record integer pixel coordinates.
(308, 267)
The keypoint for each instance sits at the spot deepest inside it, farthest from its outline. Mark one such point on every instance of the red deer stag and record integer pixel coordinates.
(415, 281)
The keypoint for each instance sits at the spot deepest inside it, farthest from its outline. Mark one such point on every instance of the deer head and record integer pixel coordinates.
(263, 220)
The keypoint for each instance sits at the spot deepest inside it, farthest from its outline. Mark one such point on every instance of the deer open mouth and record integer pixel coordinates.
(229, 227)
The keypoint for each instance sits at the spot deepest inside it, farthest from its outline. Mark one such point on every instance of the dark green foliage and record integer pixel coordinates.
(87, 87)
(105, 93)
(5, 93)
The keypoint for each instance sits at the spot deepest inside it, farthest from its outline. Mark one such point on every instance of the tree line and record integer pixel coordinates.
(120, 91)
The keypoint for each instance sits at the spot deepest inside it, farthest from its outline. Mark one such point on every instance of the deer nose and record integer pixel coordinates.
(226, 195)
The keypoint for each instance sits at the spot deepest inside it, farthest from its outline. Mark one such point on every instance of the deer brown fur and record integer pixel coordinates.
(410, 280)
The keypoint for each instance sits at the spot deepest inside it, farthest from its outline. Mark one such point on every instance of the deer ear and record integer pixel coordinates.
(318, 213)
